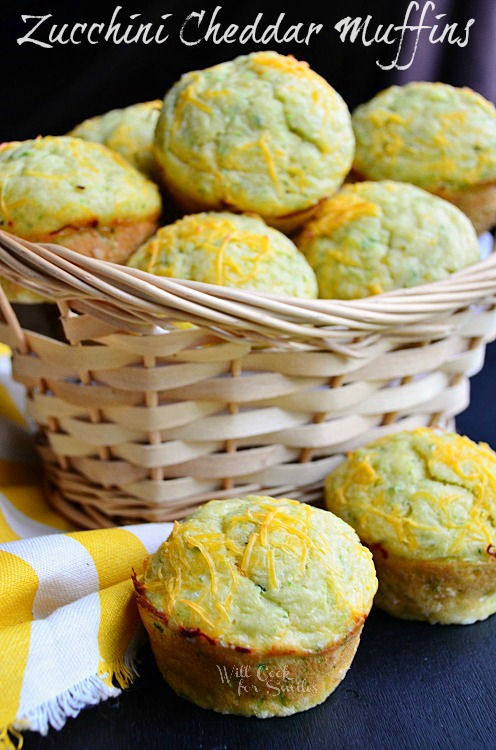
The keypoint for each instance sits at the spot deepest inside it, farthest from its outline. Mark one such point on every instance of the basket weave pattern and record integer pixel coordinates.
(142, 420)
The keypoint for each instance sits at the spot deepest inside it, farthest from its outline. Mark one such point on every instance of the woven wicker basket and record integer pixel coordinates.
(140, 419)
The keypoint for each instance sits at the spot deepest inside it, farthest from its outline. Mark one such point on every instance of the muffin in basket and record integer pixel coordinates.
(436, 136)
(81, 195)
(129, 131)
(425, 503)
(373, 237)
(229, 250)
(260, 133)
(255, 606)
(77, 194)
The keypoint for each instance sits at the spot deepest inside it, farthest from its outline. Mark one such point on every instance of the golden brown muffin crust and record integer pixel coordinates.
(244, 681)
(114, 243)
(439, 591)
(477, 202)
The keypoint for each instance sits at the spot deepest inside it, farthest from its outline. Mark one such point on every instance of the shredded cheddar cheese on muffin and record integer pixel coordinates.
(373, 237)
(430, 134)
(230, 250)
(237, 134)
(425, 494)
(257, 571)
(51, 183)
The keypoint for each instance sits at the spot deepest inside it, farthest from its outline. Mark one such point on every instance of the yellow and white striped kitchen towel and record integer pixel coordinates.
(69, 626)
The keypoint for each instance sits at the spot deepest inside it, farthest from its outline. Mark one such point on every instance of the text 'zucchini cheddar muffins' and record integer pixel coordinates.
(425, 503)
(260, 133)
(229, 250)
(129, 131)
(255, 606)
(373, 237)
(436, 136)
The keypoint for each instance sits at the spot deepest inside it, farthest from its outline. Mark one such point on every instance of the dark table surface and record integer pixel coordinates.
(411, 686)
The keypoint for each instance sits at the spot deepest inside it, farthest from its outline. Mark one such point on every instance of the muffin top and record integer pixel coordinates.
(52, 183)
(229, 250)
(425, 494)
(263, 574)
(373, 237)
(431, 134)
(129, 131)
(260, 133)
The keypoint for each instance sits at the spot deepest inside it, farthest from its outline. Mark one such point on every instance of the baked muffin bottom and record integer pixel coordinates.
(114, 243)
(438, 591)
(477, 202)
(247, 683)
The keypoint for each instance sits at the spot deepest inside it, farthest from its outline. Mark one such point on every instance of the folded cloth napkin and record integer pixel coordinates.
(69, 626)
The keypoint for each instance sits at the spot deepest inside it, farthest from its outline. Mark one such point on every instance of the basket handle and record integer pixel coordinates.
(135, 297)
(10, 319)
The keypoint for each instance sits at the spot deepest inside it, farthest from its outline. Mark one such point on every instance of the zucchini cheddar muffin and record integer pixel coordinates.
(255, 606)
(373, 237)
(76, 194)
(260, 133)
(229, 250)
(425, 503)
(129, 131)
(436, 136)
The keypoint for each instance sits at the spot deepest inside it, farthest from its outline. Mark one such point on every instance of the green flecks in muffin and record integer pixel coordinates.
(229, 250)
(430, 134)
(269, 135)
(62, 181)
(373, 237)
(206, 577)
(446, 504)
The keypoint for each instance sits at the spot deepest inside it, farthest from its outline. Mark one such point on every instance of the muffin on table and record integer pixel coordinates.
(261, 133)
(255, 606)
(129, 131)
(373, 237)
(229, 250)
(425, 503)
(436, 136)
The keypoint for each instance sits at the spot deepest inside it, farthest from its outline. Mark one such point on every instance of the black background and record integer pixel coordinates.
(48, 91)
(411, 685)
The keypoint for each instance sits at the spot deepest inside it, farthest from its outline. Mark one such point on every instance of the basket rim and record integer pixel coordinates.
(99, 286)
